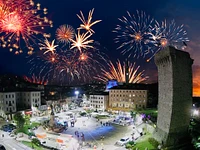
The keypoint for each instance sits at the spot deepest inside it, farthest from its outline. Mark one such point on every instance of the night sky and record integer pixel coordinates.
(64, 12)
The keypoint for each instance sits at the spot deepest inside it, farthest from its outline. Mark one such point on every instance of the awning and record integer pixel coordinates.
(41, 136)
(59, 141)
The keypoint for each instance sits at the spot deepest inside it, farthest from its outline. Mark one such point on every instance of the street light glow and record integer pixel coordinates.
(76, 92)
(196, 112)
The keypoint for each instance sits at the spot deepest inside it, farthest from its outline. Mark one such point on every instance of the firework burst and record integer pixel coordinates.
(65, 33)
(167, 34)
(20, 21)
(118, 72)
(87, 24)
(48, 47)
(133, 34)
(4, 10)
(82, 41)
(66, 66)
(36, 80)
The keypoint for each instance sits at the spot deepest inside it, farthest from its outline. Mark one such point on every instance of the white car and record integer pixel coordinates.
(123, 141)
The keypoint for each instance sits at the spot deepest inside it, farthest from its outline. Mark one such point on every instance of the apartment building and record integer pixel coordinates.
(13, 101)
(99, 101)
(126, 98)
(7, 103)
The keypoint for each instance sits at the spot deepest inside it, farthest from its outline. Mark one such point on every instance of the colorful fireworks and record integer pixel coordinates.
(49, 47)
(20, 21)
(140, 35)
(118, 72)
(81, 41)
(36, 80)
(168, 34)
(65, 33)
(133, 34)
(87, 24)
(67, 65)
(77, 58)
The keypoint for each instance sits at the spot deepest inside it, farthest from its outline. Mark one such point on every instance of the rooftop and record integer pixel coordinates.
(100, 93)
(9, 90)
(130, 87)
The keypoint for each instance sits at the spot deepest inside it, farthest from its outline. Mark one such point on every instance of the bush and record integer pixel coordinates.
(36, 141)
(89, 111)
(102, 117)
(130, 145)
(153, 142)
(83, 113)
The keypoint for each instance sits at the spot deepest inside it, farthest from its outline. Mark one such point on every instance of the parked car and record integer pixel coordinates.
(7, 128)
(2, 147)
(123, 141)
(11, 135)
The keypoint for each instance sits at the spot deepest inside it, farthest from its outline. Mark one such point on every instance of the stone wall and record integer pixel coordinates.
(175, 94)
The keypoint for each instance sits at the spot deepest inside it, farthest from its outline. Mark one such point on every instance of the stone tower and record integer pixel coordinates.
(175, 95)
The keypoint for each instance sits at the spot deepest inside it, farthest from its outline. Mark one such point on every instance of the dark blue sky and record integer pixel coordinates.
(64, 12)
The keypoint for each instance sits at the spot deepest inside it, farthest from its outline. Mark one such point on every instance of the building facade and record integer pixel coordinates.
(99, 101)
(126, 99)
(7, 104)
(31, 98)
(11, 102)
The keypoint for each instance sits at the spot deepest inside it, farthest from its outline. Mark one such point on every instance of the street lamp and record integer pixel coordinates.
(76, 93)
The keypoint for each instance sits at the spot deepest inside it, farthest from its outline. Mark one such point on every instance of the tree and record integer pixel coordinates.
(18, 117)
(133, 114)
(27, 119)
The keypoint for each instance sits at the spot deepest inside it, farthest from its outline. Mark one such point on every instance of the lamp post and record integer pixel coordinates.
(76, 93)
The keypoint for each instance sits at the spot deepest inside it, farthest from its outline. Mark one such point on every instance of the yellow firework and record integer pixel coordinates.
(118, 72)
(65, 33)
(48, 47)
(87, 24)
(81, 41)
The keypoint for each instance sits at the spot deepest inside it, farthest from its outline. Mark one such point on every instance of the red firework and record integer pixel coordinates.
(20, 21)
(36, 80)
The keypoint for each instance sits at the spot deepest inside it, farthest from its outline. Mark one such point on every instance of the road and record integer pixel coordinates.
(10, 143)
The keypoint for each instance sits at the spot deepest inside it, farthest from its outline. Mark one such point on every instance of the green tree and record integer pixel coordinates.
(133, 114)
(18, 117)
(27, 119)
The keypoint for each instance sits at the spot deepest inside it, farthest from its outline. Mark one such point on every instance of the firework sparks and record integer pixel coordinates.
(82, 41)
(49, 47)
(65, 33)
(36, 80)
(134, 34)
(87, 24)
(12, 23)
(167, 34)
(83, 57)
(4, 10)
(67, 65)
(118, 72)
(20, 21)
